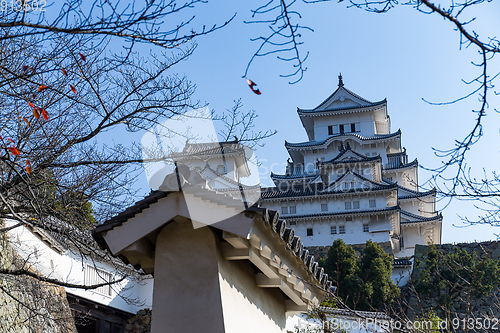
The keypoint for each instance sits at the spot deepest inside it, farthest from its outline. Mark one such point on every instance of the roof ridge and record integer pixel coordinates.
(346, 150)
(356, 175)
(342, 87)
(343, 108)
(348, 212)
(418, 217)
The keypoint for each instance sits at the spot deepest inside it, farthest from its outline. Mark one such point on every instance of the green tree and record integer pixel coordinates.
(456, 275)
(375, 271)
(363, 283)
(341, 265)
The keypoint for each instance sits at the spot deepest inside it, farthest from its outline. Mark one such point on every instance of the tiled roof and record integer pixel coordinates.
(334, 136)
(364, 179)
(346, 108)
(415, 194)
(349, 92)
(316, 189)
(209, 148)
(401, 262)
(345, 213)
(419, 218)
(353, 313)
(295, 175)
(229, 180)
(128, 213)
(362, 158)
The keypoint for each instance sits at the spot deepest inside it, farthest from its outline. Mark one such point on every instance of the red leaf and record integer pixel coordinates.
(42, 87)
(45, 115)
(64, 72)
(73, 89)
(25, 68)
(26, 120)
(31, 104)
(28, 167)
(82, 56)
(36, 112)
(9, 139)
(14, 151)
(251, 84)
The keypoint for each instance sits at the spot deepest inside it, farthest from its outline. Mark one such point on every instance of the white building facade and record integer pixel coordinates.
(352, 180)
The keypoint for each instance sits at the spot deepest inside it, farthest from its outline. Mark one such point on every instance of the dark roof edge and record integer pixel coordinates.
(347, 108)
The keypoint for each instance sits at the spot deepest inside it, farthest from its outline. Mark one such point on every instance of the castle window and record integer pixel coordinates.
(366, 228)
(330, 130)
(353, 127)
(284, 210)
(95, 276)
(347, 205)
(341, 229)
(293, 209)
(341, 127)
(355, 205)
(333, 230)
(309, 231)
(221, 170)
(373, 145)
(292, 223)
(324, 207)
(348, 219)
(373, 203)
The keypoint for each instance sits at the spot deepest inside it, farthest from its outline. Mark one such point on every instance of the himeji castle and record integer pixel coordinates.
(353, 180)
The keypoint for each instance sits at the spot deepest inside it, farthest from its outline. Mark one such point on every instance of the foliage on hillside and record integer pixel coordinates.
(455, 276)
(363, 283)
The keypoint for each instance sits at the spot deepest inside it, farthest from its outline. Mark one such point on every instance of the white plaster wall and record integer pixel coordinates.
(248, 308)
(197, 290)
(401, 276)
(411, 206)
(412, 237)
(367, 125)
(69, 267)
(322, 236)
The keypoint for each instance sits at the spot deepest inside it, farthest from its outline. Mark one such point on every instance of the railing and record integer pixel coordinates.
(396, 160)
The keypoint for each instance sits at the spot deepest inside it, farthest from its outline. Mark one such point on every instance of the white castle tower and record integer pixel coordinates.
(352, 180)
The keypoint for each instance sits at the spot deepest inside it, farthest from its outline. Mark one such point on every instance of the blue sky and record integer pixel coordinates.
(404, 56)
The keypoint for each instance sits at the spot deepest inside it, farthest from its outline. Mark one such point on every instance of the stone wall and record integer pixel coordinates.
(140, 323)
(28, 305)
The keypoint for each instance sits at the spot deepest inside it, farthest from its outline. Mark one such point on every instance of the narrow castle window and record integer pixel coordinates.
(309, 231)
(333, 230)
